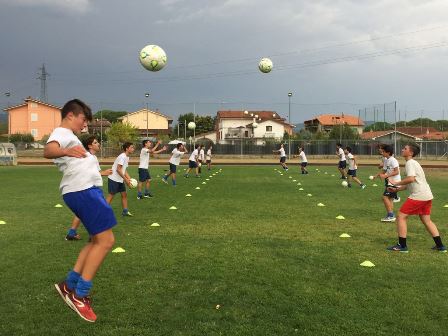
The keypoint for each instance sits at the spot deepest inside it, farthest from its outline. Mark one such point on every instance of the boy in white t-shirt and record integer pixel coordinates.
(390, 174)
(282, 157)
(342, 164)
(303, 160)
(92, 145)
(81, 189)
(177, 154)
(201, 158)
(143, 167)
(193, 162)
(208, 158)
(352, 168)
(418, 203)
(119, 176)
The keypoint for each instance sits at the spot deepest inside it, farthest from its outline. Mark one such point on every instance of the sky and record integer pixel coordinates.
(334, 56)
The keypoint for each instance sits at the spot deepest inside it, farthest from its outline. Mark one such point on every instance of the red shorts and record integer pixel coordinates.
(414, 207)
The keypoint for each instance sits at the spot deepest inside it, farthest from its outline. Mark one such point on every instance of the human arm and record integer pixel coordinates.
(160, 150)
(106, 172)
(394, 172)
(53, 150)
(125, 176)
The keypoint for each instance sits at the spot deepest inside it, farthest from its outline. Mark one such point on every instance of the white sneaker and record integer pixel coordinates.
(396, 200)
(388, 219)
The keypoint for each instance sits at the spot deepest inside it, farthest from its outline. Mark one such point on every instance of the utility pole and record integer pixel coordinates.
(43, 84)
(147, 114)
(289, 121)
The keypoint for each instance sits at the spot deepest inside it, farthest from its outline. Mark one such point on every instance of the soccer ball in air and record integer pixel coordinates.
(344, 183)
(133, 182)
(191, 125)
(265, 65)
(152, 57)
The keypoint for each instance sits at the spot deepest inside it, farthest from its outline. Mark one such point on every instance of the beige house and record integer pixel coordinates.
(326, 122)
(149, 123)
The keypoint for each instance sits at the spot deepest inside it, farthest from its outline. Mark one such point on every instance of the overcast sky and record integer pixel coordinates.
(333, 55)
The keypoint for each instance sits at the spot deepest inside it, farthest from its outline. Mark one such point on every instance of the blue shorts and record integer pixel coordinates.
(283, 159)
(173, 168)
(192, 164)
(390, 194)
(304, 164)
(92, 209)
(208, 161)
(352, 172)
(342, 164)
(143, 175)
(115, 187)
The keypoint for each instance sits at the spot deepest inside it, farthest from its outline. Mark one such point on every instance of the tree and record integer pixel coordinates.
(343, 132)
(21, 137)
(379, 126)
(109, 115)
(204, 124)
(122, 132)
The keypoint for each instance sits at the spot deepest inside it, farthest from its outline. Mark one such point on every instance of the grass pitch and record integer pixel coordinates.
(249, 241)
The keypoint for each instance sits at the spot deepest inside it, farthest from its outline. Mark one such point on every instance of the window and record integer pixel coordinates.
(268, 128)
(34, 117)
(34, 132)
(246, 134)
(33, 105)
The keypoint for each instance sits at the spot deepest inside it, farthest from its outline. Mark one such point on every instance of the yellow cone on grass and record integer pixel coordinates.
(197, 188)
(155, 224)
(58, 206)
(445, 206)
(374, 185)
(309, 195)
(367, 263)
(344, 235)
(300, 188)
(321, 204)
(173, 208)
(204, 182)
(118, 250)
(2, 222)
(188, 195)
(340, 217)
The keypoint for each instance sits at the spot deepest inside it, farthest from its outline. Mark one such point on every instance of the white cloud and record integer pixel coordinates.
(75, 5)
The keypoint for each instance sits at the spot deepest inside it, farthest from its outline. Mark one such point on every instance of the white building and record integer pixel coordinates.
(258, 126)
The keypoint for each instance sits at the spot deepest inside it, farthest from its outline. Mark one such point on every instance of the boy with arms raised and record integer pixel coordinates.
(119, 177)
(81, 190)
(143, 167)
(174, 162)
(418, 203)
(282, 157)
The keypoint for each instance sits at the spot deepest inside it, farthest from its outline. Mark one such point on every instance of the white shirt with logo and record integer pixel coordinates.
(390, 164)
(176, 156)
(122, 160)
(351, 162)
(194, 155)
(341, 154)
(144, 158)
(419, 189)
(77, 173)
(303, 156)
(209, 154)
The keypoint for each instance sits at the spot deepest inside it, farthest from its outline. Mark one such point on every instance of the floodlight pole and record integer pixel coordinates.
(147, 114)
(8, 94)
(101, 131)
(289, 121)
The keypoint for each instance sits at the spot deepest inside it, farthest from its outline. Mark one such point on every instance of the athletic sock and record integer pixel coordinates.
(139, 194)
(402, 241)
(83, 288)
(71, 232)
(174, 182)
(125, 210)
(146, 192)
(438, 241)
(390, 214)
(72, 279)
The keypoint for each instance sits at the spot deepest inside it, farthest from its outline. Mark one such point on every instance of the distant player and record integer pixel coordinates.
(201, 158)
(143, 167)
(92, 145)
(81, 189)
(418, 203)
(208, 157)
(176, 155)
(342, 164)
(282, 157)
(390, 174)
(303, 160)
(352, 168)
(193, 162)
(119, 176)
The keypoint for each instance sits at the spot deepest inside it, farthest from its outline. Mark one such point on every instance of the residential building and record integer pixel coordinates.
(149, 123)
(326, 122)
(33, 117)
(257, 126)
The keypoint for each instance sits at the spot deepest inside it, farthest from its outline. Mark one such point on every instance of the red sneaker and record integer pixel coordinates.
(82, 306)
(63, 290)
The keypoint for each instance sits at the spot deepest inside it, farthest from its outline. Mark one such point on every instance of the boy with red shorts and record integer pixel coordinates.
(418, 203)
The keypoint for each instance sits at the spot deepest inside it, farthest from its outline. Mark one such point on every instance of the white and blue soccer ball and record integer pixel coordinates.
(265, 65)
(191, 125)
(153, 58)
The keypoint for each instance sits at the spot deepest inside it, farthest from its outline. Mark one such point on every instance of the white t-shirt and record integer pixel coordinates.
(175, 158)
(282, 152)
(201, 155)
(390, 164)
(209, 154)
(341, 154)
(351, 162)
(144, 158)
(122, 160)
(78, 173)
(194, 155)
(303, 156)
(419, 189)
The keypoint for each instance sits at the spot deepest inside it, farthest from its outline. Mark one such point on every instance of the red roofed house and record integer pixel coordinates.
(326, 122)
(232, 126)
(33, 117)
(406, 133)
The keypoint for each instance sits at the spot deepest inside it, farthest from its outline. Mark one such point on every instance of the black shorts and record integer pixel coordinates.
(208, 161)
(352, 172)
(143, 175)
(304, 164)
(115, 187)
(342, 164)
(192, 164)
(173, 168)
(283, 159)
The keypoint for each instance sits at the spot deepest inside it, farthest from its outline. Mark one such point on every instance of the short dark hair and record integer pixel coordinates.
(388, 149)
(87, 141)
(349, 149)
(77, 107)
(179, 144)
(339, 144)
(415, 149)
(144, 142)
(126, 145)
(196, 146)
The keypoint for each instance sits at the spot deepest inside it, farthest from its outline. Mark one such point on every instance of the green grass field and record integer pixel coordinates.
(248, 241)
